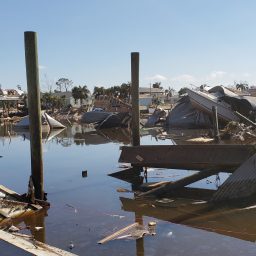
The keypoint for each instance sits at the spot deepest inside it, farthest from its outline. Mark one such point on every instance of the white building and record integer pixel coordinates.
(69, 100)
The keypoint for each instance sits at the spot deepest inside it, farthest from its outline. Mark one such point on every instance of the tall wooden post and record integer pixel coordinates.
(135, 98)
(216, 134)
(34, 110)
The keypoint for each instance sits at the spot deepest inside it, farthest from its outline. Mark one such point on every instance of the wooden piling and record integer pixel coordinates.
(34, 110)
(216, 134)
(135, 98)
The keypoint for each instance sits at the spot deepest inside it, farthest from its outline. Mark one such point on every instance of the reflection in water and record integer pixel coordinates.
(6, 133)
(78, 134)
(33, 223)
(37, 221)
(139, 242)
(231, 219)
(96, 195)
(85, 135)
(46, 136)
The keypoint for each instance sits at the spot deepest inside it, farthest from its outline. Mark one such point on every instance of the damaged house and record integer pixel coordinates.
(195, 109)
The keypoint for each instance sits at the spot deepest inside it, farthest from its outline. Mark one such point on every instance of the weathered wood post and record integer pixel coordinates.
(135, 98)
(216, 134)
(34, 110)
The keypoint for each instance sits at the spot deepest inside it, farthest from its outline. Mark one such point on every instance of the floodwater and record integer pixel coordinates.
(86, 209)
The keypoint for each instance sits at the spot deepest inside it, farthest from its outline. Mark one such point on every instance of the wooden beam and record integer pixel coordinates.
(32, 246)
(118, 233)
(188, 157)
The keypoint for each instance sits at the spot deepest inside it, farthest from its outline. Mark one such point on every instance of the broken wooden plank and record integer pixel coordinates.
(188, 157)
(118, 233)
(21, 199)
(169, 186)
(32, 246)
(241, 184)
(10, 192)
(16, 198)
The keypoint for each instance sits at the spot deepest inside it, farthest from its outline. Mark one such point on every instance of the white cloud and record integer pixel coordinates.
(216, 74)
(42, 67)
(157, 77)
(246, 74)
(213, 78)
(186, 78)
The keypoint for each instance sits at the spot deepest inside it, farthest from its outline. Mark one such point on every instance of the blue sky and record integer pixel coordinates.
(181, 42)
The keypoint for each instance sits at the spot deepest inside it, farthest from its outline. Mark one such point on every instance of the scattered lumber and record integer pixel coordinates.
(13, 205)
(29, 244)
(118, 233)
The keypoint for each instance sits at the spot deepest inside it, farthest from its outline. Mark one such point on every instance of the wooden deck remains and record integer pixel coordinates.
(188, 157)
(241, 184)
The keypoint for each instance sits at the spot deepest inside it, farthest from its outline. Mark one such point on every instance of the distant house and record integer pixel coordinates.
(151, 91)
(11, 94)
(69, 100)
(148, 95)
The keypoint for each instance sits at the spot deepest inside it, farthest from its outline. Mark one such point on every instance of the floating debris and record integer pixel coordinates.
(133, 231)
(84, 174)
(123, 190)
(165, 201)
(71, 206)
(116, 215)
(169, 234)
(71, 245)
(38, 228)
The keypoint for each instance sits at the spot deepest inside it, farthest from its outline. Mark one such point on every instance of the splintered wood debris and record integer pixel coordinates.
(133, 231)
(29, 244)
(12, 204)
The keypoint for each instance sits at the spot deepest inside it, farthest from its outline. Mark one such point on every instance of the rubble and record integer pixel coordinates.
(195, 109)
(239, 132)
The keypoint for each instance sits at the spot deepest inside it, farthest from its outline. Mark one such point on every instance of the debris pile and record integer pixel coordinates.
(156, 117)
(239, 132)
(195, 109)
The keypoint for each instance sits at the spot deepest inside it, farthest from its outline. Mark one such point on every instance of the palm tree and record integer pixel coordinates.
(75, 93)
(84, 92)
(98, 91)
(242, 86)
(80, 93)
